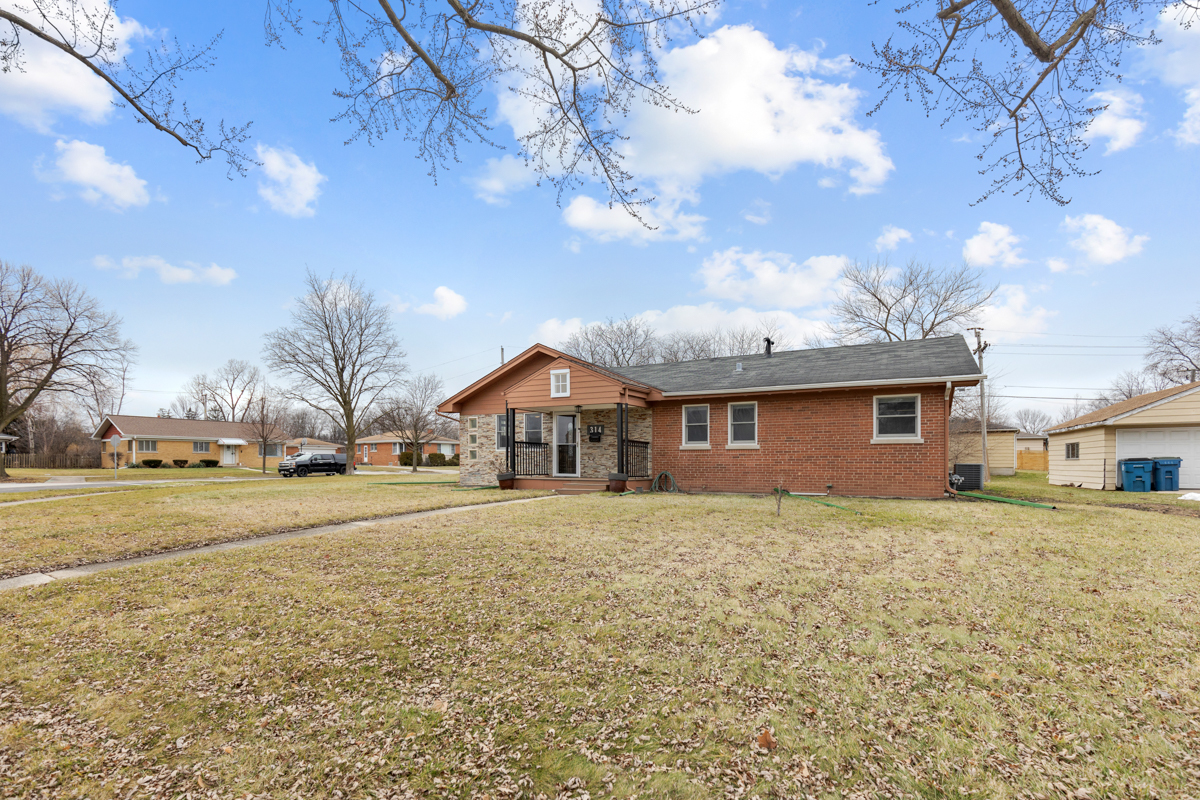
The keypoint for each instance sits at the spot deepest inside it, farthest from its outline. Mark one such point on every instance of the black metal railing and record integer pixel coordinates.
(533, 458)
(637, 458)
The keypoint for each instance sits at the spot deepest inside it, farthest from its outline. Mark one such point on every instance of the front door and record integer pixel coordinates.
(229, 454)
(566, 446)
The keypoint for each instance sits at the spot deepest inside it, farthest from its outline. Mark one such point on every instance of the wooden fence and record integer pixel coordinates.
(1037, 460)
(42, 461)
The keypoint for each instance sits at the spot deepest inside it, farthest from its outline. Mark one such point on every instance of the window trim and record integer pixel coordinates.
(472, 438)
(196, 447)
(707, 443)
(894, 438)
(472, 422)
(151, 445)
(540, 426)
(730, 444)
(1067, 451)
(472, 455)
(262, 446)
(502, 419)
(555, 372)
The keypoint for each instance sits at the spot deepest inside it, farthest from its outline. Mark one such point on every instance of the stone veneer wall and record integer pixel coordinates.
(597, 459)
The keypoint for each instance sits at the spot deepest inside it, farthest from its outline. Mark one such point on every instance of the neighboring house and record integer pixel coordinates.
(1031, 441)
(295, 446)
(4, 440)
(169, 439)
(1166, 424)
(384, 449)
(862, 420)
(966, 446)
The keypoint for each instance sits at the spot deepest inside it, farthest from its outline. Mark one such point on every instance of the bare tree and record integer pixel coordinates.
(340, 352)
(54, 337)
(624, 342)
(412, 415)
(105, 389)
(965, 407)
(1173, 352)
(423, 70)
(231, 390)
(1023, 74)
(881, 304)
(1032, 420)
(631, 341)
(89, 33)
(1130, 384)
(1077, 408)
(263, 422)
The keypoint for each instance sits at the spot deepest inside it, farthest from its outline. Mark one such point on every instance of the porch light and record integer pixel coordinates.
(578, 409)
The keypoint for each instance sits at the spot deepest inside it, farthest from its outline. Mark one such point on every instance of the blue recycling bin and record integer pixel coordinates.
(1166, 474)
(1136, 474)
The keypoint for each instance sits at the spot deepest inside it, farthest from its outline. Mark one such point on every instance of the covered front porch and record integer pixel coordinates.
(577, 449)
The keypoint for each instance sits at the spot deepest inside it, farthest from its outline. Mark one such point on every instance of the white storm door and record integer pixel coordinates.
(566, 446)
(229, 454)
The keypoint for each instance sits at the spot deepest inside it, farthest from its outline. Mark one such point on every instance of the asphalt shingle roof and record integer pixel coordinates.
(1123, 407)
(130, 425)
(885, 361)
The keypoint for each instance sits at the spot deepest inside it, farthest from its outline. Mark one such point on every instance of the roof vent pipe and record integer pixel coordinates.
(769, 343)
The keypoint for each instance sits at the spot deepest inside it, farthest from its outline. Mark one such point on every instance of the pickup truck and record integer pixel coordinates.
(304, 464)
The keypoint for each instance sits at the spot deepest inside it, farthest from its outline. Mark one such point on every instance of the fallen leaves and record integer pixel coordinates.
(766, 741)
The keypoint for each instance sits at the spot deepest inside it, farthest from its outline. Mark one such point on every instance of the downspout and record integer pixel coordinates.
(946, 441)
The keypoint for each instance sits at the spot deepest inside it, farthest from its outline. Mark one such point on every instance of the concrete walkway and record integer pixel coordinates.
(38, 578)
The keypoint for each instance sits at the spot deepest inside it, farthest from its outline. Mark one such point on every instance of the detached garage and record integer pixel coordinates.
(1085, 451)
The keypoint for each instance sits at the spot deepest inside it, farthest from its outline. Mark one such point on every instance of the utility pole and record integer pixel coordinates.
(980, 347)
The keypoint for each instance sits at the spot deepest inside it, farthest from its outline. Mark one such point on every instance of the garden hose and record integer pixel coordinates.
(658, 485)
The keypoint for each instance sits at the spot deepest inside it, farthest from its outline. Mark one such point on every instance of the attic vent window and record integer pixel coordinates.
(560, 383)
(737, 367)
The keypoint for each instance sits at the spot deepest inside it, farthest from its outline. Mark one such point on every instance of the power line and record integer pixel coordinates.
(1074, 335)
(1071, 355)
(1089, 346)
(462, 358)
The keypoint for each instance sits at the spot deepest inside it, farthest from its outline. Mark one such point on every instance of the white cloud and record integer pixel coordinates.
(1101, 240)
(446, 304)
(605, 224)
(759, 213)
(891, 237)
(1057, 265)
(131, 267)
(501, 177)
(1121, 123)
(101, 179)
(52, 84)
(772, 280)
(294, 186)
(554, 332)
(1010, 311)
(1178, 62)
(994, 244)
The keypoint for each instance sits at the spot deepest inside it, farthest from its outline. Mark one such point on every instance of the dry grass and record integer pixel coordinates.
(43, 536)
(1027, 485)
(141, 473)
(37, 491)
(627, 647)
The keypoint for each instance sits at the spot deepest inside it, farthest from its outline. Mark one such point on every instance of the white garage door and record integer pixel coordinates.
(1165, 443)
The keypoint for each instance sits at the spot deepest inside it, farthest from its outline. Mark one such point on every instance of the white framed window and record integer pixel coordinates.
(501, 431)
(560, 383)
(374, 448)
(1072, 450)
(473, 455)
(695, 426)
(200, 447)
(446, 449)
(898, 419)
(472, 422)
(743, 424)
(395, 448)
(533, 428)
(273, 450)
(147, 445)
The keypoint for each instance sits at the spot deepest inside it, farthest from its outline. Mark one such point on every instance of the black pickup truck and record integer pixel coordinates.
(304, 464)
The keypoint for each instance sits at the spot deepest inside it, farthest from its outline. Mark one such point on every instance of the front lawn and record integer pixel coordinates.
(637, 646)
(45, 536)
(142, 473)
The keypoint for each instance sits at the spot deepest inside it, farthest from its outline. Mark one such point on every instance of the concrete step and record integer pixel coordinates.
(583, 487)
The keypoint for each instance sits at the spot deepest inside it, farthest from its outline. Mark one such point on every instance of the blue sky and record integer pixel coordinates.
(762, 195)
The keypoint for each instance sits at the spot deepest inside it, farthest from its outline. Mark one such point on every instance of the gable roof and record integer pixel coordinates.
(171, 428)
(1024, 435)
(1109, 413)
(312, 443)
(397, 436)
(972, 426)
(882, 363)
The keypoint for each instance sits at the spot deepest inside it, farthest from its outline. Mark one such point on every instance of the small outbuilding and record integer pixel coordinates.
(966, 446)
(1166, 424)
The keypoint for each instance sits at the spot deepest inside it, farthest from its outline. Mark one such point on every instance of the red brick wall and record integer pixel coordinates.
(806, 441)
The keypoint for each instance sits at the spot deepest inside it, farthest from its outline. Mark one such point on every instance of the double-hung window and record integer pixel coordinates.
(743, 424)
(695, 426)
(200, 447)
(147, 445)
(533, 428)
(1072, 450)
(898, 418)
(501, 431)
(560, 383)
(272, 450)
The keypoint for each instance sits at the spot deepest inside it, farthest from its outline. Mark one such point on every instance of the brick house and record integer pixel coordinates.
(384, 449)
(860, 420)
(229, 443)
(296, 446)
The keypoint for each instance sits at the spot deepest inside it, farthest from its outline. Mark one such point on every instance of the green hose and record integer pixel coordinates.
(415, 483)
(1006, 500)
(657, 484)
(815, 500)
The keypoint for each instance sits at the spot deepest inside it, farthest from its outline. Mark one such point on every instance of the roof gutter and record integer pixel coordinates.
(799, 387)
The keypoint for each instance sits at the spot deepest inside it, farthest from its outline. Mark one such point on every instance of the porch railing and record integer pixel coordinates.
(637, 458)
(533, 458)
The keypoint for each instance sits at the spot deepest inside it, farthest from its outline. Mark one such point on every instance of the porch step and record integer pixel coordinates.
(583, 487)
